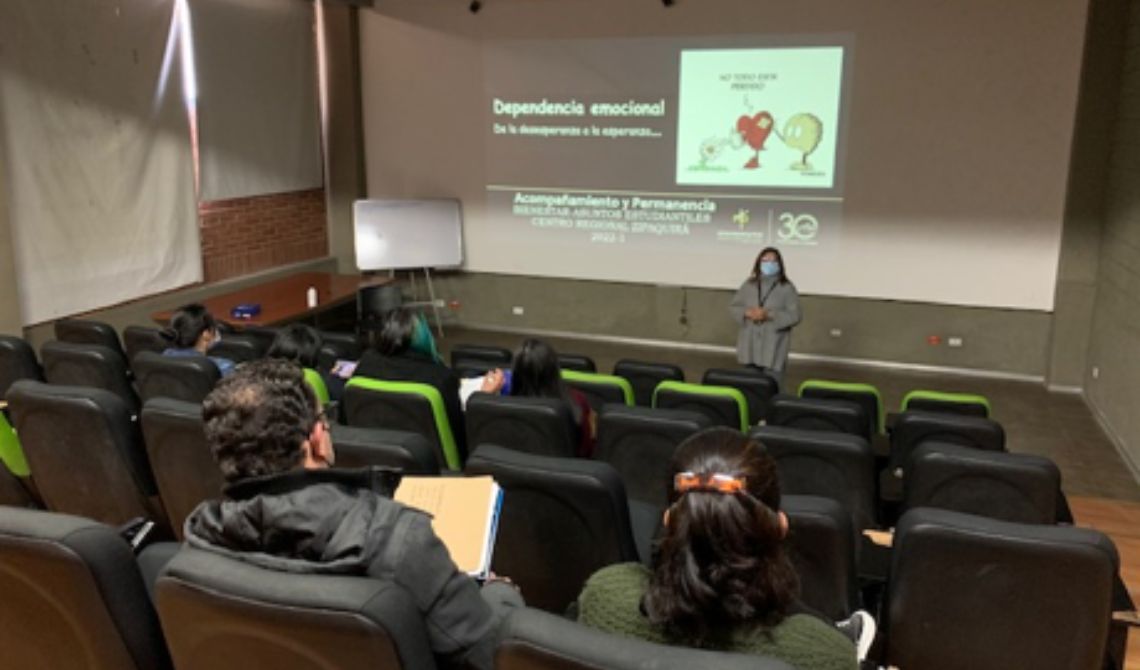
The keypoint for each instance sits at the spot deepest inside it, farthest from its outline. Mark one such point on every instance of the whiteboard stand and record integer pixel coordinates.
(431, 298)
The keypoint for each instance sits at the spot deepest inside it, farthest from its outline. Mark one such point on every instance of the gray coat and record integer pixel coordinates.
(766, 343)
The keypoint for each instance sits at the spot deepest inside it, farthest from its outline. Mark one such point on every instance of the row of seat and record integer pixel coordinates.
(963, 592)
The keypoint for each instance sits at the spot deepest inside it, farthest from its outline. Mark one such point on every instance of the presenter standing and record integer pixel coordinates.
(766, 308)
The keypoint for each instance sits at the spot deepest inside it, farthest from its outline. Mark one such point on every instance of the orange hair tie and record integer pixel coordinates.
(683, 482)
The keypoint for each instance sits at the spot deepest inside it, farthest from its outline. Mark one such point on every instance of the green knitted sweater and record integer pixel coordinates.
(611, 601)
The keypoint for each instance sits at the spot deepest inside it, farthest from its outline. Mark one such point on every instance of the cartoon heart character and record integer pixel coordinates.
(755, 130)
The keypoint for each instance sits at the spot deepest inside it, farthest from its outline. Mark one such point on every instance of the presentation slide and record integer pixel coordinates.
(691, 146)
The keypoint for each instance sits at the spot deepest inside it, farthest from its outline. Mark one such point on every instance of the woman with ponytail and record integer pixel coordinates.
(720, 579)
(193, 331)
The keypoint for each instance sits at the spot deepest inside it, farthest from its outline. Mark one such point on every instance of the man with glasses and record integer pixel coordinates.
(285, 508)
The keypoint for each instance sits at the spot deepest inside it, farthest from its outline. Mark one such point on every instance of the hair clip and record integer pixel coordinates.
(683, 482)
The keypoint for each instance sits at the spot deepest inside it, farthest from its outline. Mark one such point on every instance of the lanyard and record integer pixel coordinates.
(764, 296)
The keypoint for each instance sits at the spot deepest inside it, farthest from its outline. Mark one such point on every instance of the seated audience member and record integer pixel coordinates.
(404, 351)
(284, 509)
(720, 578)
(536, 373)
(301, 344)
(193, 332)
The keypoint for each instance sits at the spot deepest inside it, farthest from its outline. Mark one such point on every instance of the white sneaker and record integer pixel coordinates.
(861, 628)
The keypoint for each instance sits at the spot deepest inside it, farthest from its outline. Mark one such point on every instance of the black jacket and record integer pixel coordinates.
(344, 522)
(411, 366)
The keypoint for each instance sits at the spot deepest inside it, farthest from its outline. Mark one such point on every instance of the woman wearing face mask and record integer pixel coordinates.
(193, 332)
(766, 308)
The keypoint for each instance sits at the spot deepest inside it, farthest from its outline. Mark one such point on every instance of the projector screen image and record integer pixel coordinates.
(709, 147)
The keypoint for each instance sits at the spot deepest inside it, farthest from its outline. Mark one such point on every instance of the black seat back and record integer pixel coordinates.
(867, 400)
(73, 596)
(495, 357)
(970, 592)
(720, 410)
(535, 640)
(577, 362)
(12, 491)
(184, 469)
(186, 378)
(839, 466)
(839, 416)
(1020, 488)
(84, 331)
(17, 361)
(240, 348)
(85, 450)
(821, 546)
(373, 302)
(407, 412)
(543, 426)
(358, 447)
(639, 443)
(90, 365)
(597, 393)
(337, 346)
(137, 339)
(757, 386)
(263, 336)
(913, 428)
(218, 612)
(562, 519)
(644, 376)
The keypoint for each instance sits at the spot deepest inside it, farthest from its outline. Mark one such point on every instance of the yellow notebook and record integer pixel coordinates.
(465, 515)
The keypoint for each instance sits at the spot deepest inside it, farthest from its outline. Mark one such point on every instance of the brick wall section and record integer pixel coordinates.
(245, 235)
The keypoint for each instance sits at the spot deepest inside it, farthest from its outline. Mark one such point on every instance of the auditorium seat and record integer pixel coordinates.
(337, 347)
(971, 592)
(496, 357)
(644, 376)
(86, 452)
(562, 519)
(17, 361)
(757, 386)
(83, 331)
(317, 383)
(938, 401)
(262, 335)
(576, 362)
(12, 491)
(821, 546)
(408, 406)
(239, 348)
(73, 597)
(840, 416)
(639, 443)
(11, 452)
(724, 406)
(865, 395)
(184, 469)
(1019, 488)
(186, 378)
(137, 339)
(839, 466)
(90, 365)
(373, 302)
(218, 612)
(913, 428)
(535, 640)
(358, 447)
(542, 426)
(599, 389)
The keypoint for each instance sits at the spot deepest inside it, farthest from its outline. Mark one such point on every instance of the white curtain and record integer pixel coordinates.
(259, 126)
(97, 153)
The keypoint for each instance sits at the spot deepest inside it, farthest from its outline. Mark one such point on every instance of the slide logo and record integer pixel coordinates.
(797, 228)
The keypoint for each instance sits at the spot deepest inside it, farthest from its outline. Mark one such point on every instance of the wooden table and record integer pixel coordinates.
(284, 300)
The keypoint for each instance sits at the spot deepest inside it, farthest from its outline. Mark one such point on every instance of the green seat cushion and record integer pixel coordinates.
(707, 390)
(596, 378)
(852, 388)
(949, 398)
(317, 383)
(11, 453)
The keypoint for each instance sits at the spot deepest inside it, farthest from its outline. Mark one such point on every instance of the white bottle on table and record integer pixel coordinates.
(311, 297)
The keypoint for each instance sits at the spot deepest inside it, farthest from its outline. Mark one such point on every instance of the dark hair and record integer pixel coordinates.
(720, 562)
(258, 418)
(297, 342)
(779, 256)
(404, 329)
(188, 324)
(536, 373)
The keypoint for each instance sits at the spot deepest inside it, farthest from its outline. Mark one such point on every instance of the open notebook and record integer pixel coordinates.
(465, 516)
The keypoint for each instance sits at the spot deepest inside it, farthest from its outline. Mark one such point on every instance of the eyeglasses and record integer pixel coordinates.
(716, 482)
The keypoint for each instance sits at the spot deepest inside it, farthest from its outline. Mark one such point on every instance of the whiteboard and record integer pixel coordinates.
(395, 234)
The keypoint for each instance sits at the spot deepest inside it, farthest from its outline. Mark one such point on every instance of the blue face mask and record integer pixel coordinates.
(769, 268)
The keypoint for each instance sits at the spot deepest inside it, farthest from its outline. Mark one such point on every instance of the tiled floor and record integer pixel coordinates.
(1057, 425)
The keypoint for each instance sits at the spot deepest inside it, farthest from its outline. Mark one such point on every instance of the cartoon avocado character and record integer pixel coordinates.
(803, 132)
